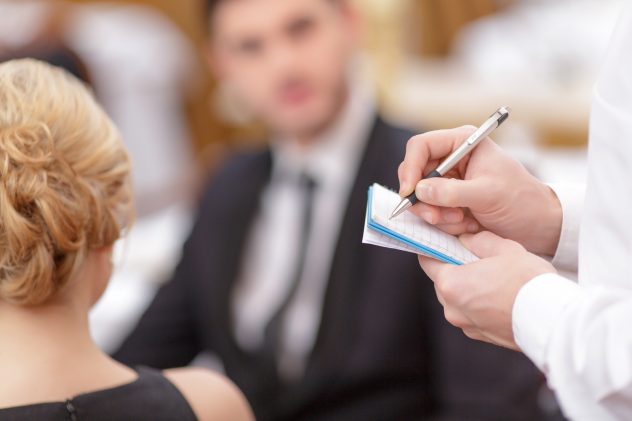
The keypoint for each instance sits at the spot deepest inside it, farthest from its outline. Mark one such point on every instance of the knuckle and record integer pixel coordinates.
(471, 334)
(412, 142)
(447, 291)
(452, 317)
(484, 236)
(467, 129)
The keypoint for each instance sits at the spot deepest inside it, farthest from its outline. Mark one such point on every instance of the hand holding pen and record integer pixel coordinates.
(487, 188)
(468, 145)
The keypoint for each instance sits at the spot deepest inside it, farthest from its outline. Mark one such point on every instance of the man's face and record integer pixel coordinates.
(285, 58)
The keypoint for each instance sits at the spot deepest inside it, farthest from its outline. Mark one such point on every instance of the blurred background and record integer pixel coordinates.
(434, 63)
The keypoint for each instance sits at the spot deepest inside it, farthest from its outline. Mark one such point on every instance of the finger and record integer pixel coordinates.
(434, 215)
(432, 267)
(487, 244)
(468, 225)
(455, 318)
(430, 214)
(425, 147)
(476, 335)
(455, 193)
(439, 296)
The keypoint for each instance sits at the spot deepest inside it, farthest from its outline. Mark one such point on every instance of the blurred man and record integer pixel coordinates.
(274, 279)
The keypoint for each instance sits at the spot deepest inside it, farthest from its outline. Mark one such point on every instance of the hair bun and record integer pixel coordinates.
(43, 217)
(64, 180)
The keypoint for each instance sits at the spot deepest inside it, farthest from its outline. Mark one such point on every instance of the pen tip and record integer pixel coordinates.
(403, 205)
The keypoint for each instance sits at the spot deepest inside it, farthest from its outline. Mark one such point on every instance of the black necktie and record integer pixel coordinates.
(273, 329)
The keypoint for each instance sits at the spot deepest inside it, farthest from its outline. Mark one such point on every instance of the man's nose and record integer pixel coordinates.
(283, 57)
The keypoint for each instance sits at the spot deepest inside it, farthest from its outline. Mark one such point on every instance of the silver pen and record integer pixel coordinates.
(450, 162)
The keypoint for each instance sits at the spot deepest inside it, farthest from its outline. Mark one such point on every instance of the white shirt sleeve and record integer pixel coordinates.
(571, 197)
(580, 334)
(580, 338)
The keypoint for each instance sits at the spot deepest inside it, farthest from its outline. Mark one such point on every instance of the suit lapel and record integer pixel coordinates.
(342, 296)
(236, 222)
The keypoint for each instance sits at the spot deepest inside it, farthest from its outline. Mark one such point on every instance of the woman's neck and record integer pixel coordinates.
(47, 355)
(46, 351)
(44, 335)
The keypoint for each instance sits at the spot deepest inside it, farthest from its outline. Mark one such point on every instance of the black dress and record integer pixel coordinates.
(150, 397)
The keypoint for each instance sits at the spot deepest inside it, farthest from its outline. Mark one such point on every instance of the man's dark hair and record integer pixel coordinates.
(211, 5)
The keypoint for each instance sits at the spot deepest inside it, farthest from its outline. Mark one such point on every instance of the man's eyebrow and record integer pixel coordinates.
(299, 22)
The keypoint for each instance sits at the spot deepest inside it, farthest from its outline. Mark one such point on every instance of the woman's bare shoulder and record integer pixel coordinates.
(211, 395)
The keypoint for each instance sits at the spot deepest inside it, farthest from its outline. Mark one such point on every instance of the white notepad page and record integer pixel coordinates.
(410, 226)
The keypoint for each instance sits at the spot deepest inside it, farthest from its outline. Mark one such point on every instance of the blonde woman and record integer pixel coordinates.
(64, 200)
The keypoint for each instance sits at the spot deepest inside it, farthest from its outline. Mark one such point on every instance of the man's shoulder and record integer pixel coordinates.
(387, 146)
(243, 162)
(240, 171)
(392, 135)
(394, 130)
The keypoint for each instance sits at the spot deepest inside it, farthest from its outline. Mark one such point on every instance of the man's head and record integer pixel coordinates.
(287, 59)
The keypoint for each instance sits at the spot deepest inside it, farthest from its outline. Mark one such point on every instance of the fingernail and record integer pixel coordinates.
(404, 189)
(452, 217)
(424, 192)
(472, 227)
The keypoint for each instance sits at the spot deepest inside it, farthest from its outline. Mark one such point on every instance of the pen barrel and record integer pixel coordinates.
(433, 174)
(412, 198)
(470, 143)
(467, 146)
(454, 158)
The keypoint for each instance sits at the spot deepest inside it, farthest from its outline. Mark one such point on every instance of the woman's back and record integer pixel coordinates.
(151, 395)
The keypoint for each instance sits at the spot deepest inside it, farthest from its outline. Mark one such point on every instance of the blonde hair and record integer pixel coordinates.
(64, 180)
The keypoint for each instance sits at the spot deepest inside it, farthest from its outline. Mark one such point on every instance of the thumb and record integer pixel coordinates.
(487, 244)
(453, 192)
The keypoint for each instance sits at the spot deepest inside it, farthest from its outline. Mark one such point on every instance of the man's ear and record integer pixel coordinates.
(215, 61)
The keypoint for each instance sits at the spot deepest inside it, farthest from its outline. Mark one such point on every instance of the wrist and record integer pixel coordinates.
(548, 229)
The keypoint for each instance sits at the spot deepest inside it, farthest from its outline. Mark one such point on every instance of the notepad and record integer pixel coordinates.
(408, 232)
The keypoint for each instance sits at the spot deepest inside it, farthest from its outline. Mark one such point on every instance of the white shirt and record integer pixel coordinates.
(272, 248)
(580, 334)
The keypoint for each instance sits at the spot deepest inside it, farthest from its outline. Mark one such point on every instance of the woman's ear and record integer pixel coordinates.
(104, 265)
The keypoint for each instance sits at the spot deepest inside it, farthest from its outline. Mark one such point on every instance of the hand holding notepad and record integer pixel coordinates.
(408, 232)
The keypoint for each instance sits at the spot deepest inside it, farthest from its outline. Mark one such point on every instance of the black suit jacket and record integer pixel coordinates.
(383, 350)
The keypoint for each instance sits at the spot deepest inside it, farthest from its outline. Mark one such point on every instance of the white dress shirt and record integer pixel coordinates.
(579, 334)
(271, 253)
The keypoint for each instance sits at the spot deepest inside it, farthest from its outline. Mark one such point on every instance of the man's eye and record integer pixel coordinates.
(301, 27)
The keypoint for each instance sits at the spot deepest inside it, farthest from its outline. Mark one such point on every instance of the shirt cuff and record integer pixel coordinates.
(571, 197)
(538, 307)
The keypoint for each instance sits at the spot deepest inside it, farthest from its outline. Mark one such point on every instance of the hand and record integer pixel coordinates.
(498, 193)
(479, 297)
